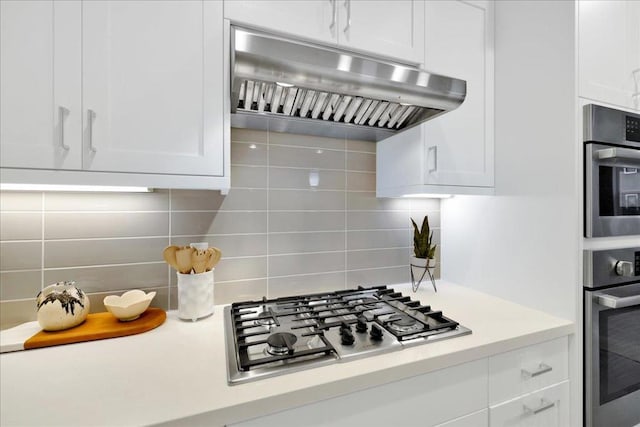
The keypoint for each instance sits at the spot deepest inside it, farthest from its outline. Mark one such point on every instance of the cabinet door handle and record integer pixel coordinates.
(544, 405)
(91, 115)
(347, 4)
(433, 148)
(542, 369)
(334, 14)
(62, 113)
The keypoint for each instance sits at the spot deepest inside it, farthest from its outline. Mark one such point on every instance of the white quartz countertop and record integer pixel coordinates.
(179, 370)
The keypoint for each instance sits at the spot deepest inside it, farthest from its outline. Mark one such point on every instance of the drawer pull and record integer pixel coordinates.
(542, 369)
(544, 405)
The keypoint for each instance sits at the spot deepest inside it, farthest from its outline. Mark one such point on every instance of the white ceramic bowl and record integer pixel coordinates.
(130, 305)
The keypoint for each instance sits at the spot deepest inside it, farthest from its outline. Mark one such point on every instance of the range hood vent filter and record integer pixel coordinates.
(290, 86)
(272, 98)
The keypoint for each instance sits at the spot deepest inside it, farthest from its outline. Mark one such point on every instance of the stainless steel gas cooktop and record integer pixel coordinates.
(278, 336)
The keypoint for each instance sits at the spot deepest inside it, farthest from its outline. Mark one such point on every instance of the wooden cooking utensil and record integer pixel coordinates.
(199, 259)
(214, 257)
(183, 259)
(169, 255)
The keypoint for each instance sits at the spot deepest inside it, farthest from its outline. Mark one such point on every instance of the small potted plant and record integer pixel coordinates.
(423, 249)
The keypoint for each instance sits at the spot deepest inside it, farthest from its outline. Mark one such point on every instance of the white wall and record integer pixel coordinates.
(523, 243)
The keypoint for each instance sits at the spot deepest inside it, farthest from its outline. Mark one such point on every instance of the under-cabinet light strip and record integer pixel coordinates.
(75, 188)
(428, 195)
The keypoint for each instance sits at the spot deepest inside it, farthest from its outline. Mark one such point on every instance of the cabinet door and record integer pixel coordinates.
(459, 144)
(390, 28)
(477, 419)
(548, 407)
(40, 84)
(309, 19)
(609, 51)
(153, 86)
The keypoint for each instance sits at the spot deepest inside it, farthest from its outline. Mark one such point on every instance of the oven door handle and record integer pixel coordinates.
(617, 302)
(615, 153)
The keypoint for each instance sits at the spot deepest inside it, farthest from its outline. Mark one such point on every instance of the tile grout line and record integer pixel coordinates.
(42, 234)
(346, 224)
(170, 243)
(268, 184)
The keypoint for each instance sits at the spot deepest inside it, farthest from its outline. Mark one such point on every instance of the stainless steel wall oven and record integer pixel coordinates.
(612, 172)
(612, 337)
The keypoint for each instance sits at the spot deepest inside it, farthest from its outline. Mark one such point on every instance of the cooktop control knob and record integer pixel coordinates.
(624, 268)
(376, 333)
(347, 337)
(345, 327)
(361, 326)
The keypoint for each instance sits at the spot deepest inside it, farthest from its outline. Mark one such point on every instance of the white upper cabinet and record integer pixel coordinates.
(115, 93)
(453, 153)
(40, 84)
(152, 73)
(307, 19)
(389, 28)
(609, 52)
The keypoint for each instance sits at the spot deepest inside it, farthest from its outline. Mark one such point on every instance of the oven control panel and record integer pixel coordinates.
(633, 128)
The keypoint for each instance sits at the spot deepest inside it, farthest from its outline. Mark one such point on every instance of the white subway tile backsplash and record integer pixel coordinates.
(309, 179)
(279, 234)
(20, 226)
(286, 265)
(158, 200)
(373, 239)
(204, 223)
(377, 220)
(306, 221)
(232, 245)
(365, 146)
(72, 253)
(20, 201)
(306, 157)
(292, 243)
(357, 201)
(20, 255)
(361, 181)
(20, 284)
(111, 278)
(243, 153)
(303, 284)
(376, 258)
(361, 161)
(306, 200)
(278, 138)
(249, 176)
(72, 225)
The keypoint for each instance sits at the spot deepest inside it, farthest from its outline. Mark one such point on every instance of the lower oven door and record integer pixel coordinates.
(612, 356)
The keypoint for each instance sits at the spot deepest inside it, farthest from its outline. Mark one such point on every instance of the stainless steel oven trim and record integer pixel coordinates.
(626, 407)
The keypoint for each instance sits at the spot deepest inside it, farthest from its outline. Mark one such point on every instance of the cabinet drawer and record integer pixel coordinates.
(548, 407)
(424, 400)
(527, 369)
(477, 419)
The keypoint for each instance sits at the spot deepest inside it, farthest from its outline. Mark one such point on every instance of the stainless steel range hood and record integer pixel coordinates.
(290, 86)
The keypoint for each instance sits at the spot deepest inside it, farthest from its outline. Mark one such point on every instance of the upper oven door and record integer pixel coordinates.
(612, 356)
(612, 172)
(612, 190)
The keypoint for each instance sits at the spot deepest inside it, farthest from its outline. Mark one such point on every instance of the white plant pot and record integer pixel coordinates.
(422, 262)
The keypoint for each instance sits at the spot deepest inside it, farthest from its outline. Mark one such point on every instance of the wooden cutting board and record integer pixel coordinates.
(97, 326)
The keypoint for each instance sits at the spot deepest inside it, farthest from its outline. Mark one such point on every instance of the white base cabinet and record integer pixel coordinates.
(131, 91)
(524, 387)
(452, 154)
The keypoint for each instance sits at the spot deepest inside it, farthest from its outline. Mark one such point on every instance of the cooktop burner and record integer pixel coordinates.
(282, 335)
